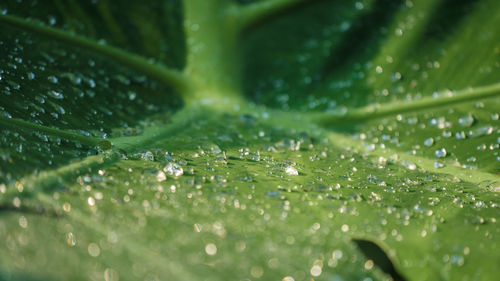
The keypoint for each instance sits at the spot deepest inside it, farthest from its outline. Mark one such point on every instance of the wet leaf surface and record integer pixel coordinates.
(257, 192)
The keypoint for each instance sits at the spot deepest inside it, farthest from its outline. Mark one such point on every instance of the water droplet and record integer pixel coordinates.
(429, 142)
(132, 95)
(457, 260)
(409, 165)
(256, 157)
(91, 83)
(160, 176)
(316, 270)
(52, 20)
(481, 131)
(369, 265)
(70, 239)
(466, 121)
(197, 227)
(55, 94)
(16, 202)
(174, 169)
(23, 222)
(460, 135)
(438, 165)
(211, 249)
(446, 134)
(53, 79)
(94, 250)
(148, 156)
(256, 271)
(291, 171)
(110, 275)
(213, 149)
(440, 153)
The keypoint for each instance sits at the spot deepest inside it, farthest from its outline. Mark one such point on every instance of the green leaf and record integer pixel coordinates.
(272, 140)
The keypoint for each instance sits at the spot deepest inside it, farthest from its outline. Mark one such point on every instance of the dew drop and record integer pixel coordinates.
(344, 228)
(466, 121)
(429, 142)
(256, 271)
(94, 250)
(291, 171)
(70, 239)
(23, 222)
(160, 176)
(481, 131)
(55, 94)
(446, 134)
(460, 135)
(132, 95)
(53, 79)
(211, 249)
(111, 275)
(438, 165)
(316, 270)
(174, 169)
(148, 156)
(409, 165)
(440, 153)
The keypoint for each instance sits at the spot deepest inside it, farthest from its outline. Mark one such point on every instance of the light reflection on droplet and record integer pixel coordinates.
(110, 275)
(160, 176)
(173, 169)
(23, 222)
(440, 153)
(344, 228)
(70, 239)
(316, 270)
(16, 202)
(211, 249)
(94, 250)
(291, 171)
(466, 121)
(197, 227)
(438, 165)
(429, 142)
(256, 271)
(369, 264)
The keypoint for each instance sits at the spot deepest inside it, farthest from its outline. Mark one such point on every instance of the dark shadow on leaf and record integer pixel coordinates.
(362, 39)
(38, 210)
(296, 7)
(373, 252)
(19, 277)
(446, 16)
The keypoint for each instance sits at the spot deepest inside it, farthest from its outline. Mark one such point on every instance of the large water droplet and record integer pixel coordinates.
(174, 169)
(466, 121)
